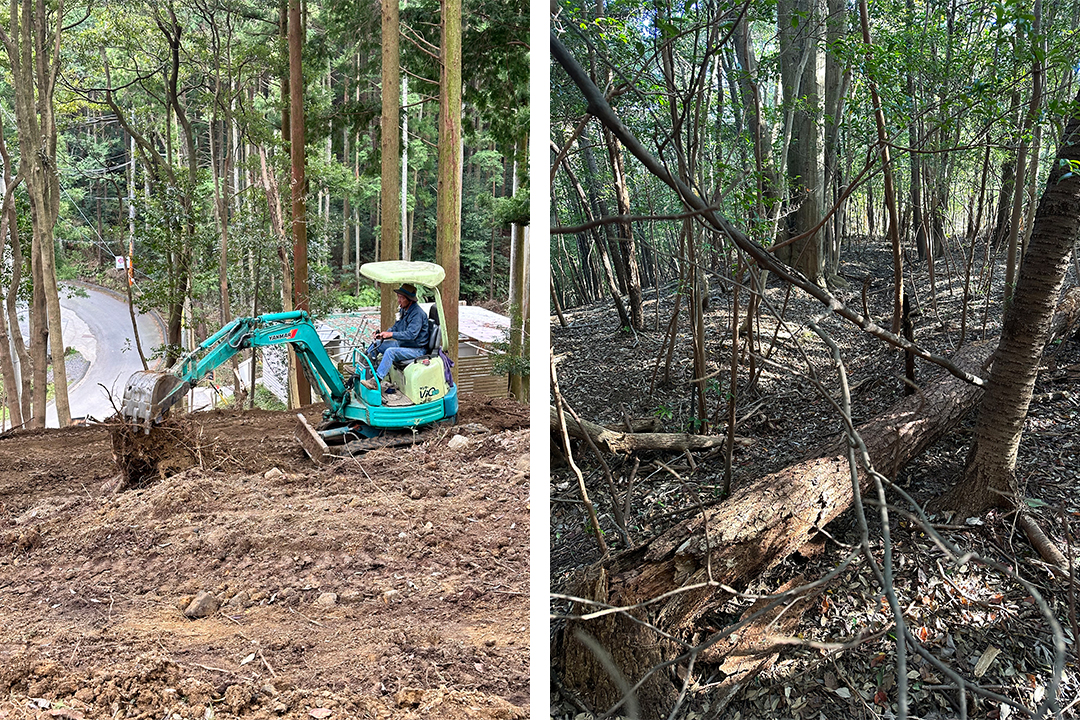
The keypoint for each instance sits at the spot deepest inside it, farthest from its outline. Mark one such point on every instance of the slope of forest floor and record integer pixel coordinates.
(393, 585)
(964, 614)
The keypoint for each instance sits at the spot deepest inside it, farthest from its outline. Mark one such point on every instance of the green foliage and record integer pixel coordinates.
(503, 363)
(266, 400)
(368, 297)
(231, 60)
(512, 210)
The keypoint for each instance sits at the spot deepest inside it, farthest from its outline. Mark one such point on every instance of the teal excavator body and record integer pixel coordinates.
(354, 414)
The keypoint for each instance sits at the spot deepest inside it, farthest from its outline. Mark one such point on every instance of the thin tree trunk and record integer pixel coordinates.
(836, 83)
(613, 288)
(1021, 160)
(626, 232)
(26, 366)
(7, 363)
(890, 192)
(519, 280)
(33, 52)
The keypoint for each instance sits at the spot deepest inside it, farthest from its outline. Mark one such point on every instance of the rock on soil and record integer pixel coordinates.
(204, 605)
(338, 587)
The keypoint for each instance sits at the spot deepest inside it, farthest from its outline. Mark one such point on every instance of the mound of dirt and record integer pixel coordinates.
(496, 414)
(241, 580)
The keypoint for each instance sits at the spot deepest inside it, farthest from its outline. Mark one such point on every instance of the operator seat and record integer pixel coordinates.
(434, 343)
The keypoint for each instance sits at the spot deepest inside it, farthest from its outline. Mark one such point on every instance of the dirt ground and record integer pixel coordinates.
(841, 659)
(394, 585)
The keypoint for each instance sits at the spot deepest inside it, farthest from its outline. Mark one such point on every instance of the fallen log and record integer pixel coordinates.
(763, 522)
(614, 441)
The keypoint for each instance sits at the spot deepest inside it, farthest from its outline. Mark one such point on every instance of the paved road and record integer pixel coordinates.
(98, 325)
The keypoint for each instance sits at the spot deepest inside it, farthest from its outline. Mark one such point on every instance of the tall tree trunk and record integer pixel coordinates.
(989, 477)
(346, 211)
(600, 209)
(26, 367)
(519, 283)
(1008, 181)
(7, 346)
(448, 211)
(799, 58)
(586, 208)
(1021, 159)
(406, 244)
(389, 188)
(836, 82)
(301, 299)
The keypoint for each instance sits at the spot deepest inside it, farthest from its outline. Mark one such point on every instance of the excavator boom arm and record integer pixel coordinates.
(150, 394)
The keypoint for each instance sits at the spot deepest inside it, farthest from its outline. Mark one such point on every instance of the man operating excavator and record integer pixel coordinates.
(404, 340)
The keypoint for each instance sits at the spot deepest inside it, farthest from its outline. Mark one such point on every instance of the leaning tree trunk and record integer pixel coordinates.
(763, 522)
(989, 478)
(7, 361)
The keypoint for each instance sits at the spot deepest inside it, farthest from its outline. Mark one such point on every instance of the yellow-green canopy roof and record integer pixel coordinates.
(404, 271)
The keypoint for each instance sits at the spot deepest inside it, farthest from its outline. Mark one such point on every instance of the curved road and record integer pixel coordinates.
(99, 326)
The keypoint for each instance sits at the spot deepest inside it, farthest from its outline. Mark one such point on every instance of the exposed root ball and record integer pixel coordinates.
(144, 458)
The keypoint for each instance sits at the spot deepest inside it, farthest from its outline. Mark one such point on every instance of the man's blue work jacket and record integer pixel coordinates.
(412, 329)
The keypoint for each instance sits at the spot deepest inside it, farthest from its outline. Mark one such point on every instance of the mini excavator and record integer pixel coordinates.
(356, 417)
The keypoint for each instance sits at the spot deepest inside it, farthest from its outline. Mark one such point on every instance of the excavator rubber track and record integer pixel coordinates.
(317, 449)
(391, 438)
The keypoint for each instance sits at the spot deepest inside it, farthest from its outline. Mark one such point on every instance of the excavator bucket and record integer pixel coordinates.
(148, 395)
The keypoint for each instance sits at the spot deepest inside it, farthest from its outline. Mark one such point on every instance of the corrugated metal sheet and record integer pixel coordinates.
(474, 375)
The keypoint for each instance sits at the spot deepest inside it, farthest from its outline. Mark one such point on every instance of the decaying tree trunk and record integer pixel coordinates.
(613, 441)
(763, 522)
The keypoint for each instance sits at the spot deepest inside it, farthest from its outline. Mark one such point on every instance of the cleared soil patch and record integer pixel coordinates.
(394, 585)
